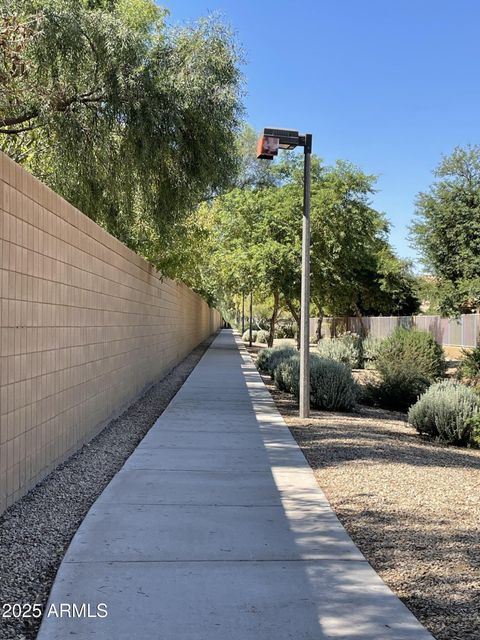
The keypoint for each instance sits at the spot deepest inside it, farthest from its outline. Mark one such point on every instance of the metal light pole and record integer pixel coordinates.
(251, 314)
(304, 408)
(243, 313)
(267, 148)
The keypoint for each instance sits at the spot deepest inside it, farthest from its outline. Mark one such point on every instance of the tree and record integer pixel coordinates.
(131, 121)
(257, 240)
(447, 230)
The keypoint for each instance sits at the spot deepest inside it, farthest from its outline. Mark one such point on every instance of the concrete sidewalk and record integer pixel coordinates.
(215, 529)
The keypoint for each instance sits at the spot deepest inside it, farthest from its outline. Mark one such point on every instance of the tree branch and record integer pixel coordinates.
(60, 107)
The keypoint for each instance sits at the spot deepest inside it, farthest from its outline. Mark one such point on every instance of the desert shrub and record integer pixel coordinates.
(371, 348)
(474, 424)
(286, 330)
(331, 382)
(415, 350)
(280, 333)
(470, 365)
(263, 360)
(445, 411)
(269, 359)
(287, 373)
(246, 336)
(346, 349)
(398, 388)
(262, 336)
(332, 386)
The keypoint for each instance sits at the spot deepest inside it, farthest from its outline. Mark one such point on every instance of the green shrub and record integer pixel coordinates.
(445, 411)
(332, 386)
(287, 373)
(346, 349)
(269, 359)
(246, 336)
(262, 336)
(286, 330)
(397, 390)
(415, 350)
(263, 360)
(331, 383)
(474, 424)
(470, 365)
(371, 348)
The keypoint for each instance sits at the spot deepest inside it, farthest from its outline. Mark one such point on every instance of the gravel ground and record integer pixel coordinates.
(411, 506)
(36, 531)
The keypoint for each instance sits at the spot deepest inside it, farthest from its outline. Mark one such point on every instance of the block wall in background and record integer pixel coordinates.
(85, 326)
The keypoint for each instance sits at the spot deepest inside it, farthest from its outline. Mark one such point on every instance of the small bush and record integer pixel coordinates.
(287, 373)
(286, 330)
(445, 411)
(263, 360)
(246, 336)
(371, 348)
(269, 359)
(415, 350)
(398, 389)
(262, 336)
(332, 386)
(331, 383)
(470, 365)
(474, 424)
(346, 349)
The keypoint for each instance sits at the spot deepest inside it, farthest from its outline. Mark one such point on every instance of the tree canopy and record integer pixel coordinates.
(249, 239)
(447, 230)
(132, 121)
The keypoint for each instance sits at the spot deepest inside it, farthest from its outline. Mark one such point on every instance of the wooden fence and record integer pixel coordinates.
(460, 332)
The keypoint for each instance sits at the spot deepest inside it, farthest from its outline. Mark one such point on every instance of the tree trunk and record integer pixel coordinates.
(319, 327)
(273, 319)
(333, 328)
(358, 314)
(318, 332)
(296, 316)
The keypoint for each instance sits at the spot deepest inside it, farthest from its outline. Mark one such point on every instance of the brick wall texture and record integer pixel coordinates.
(85, 324)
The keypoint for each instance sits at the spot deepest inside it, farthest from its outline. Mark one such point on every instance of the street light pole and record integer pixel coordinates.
(304, 409)
(267, 148)
(243, 313)
(251, 320)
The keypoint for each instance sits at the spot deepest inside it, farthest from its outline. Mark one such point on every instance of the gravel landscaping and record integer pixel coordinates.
(36, 531)
(411, 506)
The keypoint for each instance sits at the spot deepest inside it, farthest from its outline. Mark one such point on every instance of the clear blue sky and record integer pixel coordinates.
(391, 85)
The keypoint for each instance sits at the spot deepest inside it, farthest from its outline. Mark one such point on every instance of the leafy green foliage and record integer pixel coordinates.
(246, 336)
(130, 120)
(346, 349)
(474, 424)
(331, 383)
(415, 351)
(332, 386)
(269, 359)
(447, 230)
(262, 336)
(286, 330)
(371, 349)
(399, 387)
(470, 365)
(445, 411)
(287, 373)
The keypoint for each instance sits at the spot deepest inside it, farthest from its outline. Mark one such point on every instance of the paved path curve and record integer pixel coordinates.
(215, 529)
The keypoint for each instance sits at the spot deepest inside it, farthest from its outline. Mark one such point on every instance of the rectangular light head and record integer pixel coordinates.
(280, 133)
(289, 138)
(267, 147)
